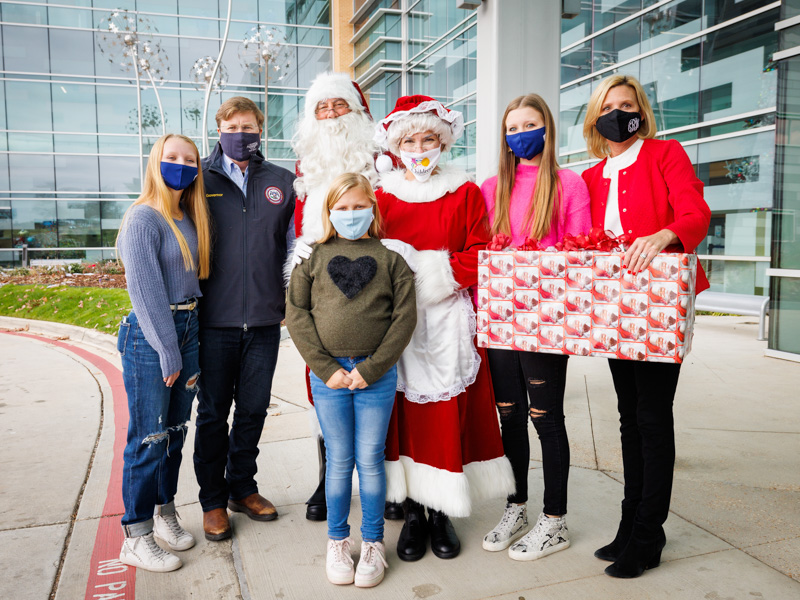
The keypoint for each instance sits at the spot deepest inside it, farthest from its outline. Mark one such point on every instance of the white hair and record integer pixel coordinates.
(417, 123)
(329, 147)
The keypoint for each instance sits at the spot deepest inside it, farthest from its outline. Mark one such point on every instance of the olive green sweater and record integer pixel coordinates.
(351, 298)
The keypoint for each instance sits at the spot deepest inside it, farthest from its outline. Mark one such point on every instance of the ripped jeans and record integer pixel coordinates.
(157, 419)
(516, 375)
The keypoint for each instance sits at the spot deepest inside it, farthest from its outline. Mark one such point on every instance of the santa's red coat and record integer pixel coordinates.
(446, 454)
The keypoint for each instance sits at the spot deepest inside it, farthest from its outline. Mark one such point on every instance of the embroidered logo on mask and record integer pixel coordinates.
(633, 125)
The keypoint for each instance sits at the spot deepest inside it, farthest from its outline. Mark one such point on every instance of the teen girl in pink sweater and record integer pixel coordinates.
(532, 197)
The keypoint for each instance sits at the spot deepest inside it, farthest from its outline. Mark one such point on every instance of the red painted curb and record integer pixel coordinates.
(109, 579)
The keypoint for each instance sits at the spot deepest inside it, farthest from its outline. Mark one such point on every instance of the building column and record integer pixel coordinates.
(341, 32)
(519, 52)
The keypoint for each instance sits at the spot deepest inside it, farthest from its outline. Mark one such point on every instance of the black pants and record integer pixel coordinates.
(645, 393)
(237, 369)
(516, 376)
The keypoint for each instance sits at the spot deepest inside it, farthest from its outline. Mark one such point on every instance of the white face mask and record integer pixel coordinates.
(421, 164)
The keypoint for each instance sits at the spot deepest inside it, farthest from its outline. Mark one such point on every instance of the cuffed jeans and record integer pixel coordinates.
(354, 424)
(238, 367)
(645, 393)
(158, 419)
(517, 375)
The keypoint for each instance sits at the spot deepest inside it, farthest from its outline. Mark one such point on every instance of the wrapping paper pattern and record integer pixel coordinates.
(582, 302)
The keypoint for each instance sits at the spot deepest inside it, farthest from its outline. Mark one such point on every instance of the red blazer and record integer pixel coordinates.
(660, 190)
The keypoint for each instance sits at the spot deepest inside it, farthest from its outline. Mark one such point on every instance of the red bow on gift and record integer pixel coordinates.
(499, 242)
(598, 239)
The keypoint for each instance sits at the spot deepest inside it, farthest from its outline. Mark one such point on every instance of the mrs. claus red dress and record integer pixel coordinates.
(443, 448)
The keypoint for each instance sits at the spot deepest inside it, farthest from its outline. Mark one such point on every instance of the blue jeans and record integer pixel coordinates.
(354, 424)
(237, 367)
(158, 419)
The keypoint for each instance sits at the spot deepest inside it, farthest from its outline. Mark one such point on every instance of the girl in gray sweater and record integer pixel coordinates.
(164, 244)
(351, 312)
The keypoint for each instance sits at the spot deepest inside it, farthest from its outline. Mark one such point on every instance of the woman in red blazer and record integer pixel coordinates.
(648, 189)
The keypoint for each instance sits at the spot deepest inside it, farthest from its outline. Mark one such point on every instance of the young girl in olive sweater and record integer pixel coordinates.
(351, 311)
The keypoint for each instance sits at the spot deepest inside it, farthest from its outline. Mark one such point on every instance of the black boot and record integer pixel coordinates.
(612, 551)
(640, 554)
(444, 541)
(413, 538)
(316, 509)
(393, 511)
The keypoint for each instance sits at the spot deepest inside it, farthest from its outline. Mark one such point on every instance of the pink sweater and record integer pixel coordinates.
(574, 216)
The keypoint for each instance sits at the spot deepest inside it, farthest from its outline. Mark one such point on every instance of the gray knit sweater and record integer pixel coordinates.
(157, 277)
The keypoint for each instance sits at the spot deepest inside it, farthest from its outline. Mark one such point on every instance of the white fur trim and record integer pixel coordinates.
(395, 481)
(453, 118)
(312, 214)
(434, 276)
(490, 479)
(452, 493)
(445, 180)
(383, 164)
(331, 85)
(313, 421)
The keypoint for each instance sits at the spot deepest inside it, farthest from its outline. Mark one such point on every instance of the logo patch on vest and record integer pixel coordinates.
(273, 194)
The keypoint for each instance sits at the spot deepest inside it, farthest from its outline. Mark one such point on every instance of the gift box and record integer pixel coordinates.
(583, 302)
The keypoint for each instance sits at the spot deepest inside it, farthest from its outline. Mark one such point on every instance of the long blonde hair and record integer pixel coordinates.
(339, 187)
(155, 193)
(546, 196)
(596, 143)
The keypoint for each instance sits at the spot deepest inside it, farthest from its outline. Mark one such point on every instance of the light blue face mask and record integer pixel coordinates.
(352, 224)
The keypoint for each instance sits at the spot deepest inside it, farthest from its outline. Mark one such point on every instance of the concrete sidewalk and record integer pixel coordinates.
(734, 531)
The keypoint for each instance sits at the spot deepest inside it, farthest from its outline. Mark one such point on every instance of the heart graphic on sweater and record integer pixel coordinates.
(351, 276)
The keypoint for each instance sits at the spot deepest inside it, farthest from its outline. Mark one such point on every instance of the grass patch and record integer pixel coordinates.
(92, 308)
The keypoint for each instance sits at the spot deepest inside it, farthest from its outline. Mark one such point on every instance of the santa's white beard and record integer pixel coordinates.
(330, 147)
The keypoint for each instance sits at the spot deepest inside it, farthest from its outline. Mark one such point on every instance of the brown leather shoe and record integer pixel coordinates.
(254, 506)
(216, 525)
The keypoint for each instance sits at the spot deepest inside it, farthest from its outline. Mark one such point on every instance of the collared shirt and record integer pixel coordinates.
(611, 170)
(233, 171)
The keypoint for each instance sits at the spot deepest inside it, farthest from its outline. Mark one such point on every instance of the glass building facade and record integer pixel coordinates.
(406, 47)
(69, 142)
(708, 69)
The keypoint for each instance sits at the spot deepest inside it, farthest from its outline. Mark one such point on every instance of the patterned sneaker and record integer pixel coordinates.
(167, 529)
(339, 563)
(547, 536)
(142, 552)
(372, 564)
(514, 521)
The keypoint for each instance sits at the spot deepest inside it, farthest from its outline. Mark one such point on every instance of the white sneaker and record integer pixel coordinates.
(142, 552)
(339, 563)
(372, 564)
(510, 527)
(547, 536)
(167, 529)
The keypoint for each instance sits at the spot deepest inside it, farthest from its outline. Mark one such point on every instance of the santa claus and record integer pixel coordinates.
(334, 136)
(444, 449)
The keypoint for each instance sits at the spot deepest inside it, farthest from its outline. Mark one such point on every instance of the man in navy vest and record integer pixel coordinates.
(251, 203)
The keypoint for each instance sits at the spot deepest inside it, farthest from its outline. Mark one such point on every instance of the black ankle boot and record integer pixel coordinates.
(393, 511)
(413, 540)
(638, 556)
(316, 509)
(612, 551)
(444, 541)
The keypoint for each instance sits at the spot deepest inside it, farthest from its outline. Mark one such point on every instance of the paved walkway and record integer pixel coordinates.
(734, 531)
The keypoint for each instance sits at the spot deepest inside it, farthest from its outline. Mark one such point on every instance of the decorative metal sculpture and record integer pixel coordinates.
(126, 40)
(265, 51)
(208, 76)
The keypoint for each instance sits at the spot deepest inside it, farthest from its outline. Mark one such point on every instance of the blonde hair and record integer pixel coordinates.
(155, 193)
(340, 186)
(239, 104)
(545, 200)
(596, 143)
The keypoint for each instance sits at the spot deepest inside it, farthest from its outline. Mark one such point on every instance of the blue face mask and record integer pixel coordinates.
(240, 145)
(527, 144)
(351, 224)
(178, 177)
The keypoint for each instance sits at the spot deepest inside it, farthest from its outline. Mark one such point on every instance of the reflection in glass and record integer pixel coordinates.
(78, 224)
(34, 223)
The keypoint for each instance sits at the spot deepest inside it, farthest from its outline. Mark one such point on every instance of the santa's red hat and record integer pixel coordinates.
(412, 114)
(329, 85)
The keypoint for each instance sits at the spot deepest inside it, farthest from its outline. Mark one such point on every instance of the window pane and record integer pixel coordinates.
(617, 45)
(608, 12)
(119, 174)
(673, 91)
(74, 52)
(76, 174)
(119, 109)
(78, 224)
(25, 49)
(34, 223)
(75, 108)
(111, 219)
(31, 173)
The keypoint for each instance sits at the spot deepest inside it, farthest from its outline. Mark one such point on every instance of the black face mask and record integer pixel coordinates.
(618, 125)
